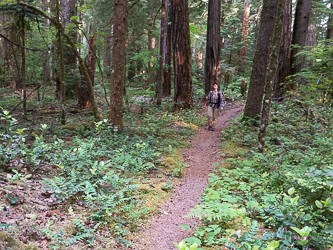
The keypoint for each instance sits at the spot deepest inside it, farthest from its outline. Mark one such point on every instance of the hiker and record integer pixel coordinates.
(215, 98)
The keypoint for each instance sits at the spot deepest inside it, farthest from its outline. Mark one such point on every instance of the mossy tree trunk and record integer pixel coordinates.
(160, 81)
(90, 62)
(271, 73)
(284, 55)
(212, 69)
(118, 64)
(245, 30)
(260, 61)
(23, 66)
(61, 66)
(300, 30)
(167, 51)
(73, 48)
(181, 54)
(329, 31)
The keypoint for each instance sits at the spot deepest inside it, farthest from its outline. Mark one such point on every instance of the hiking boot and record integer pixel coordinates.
(212, 129)
(209, 127)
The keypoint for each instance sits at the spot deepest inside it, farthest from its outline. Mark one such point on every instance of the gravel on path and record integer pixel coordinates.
(164, 229)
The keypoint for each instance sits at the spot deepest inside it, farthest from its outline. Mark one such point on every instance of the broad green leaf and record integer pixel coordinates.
(185, 227)
(319, 204)
(291, 191)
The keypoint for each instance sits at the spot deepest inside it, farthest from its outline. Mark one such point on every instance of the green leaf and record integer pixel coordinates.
(216, 164)
(193, 240)
(291, 191)
(319, 204)
(185, 227)
(272, 245)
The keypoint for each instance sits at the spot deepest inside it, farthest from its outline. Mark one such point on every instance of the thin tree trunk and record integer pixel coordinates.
(260, 61)
(107, 55)
(73, 47)
(151, 46)
(90, 62)
(62, 68)
(181, 54)
(167, 51)
(301, 23)
(118, 64)
(329, 32)
(284, 55)
(68, 10)
(212, 70)
(199, 63)
(159, 87)
(245, 30)
(271, 73)
(45, 53)
(23, 66)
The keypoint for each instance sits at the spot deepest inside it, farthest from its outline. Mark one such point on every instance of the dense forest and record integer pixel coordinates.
(100, 100)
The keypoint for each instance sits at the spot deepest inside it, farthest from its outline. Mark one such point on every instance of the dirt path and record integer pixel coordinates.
(164, 229)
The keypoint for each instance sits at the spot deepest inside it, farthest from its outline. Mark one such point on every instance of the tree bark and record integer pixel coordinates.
(107, 54)
(245, 30)
(61, 66)
(68, 10)
(159, 87)
(23, 66)
(167, 51)
(271, 72)
(45, 53)
(199, 63)
(181, 54)
(151, 46)
(118, 64)
(284, 55)
(301, 23)
(212, 69)
(73, 47)
(329, 31)
(90, 62)
(260, 61)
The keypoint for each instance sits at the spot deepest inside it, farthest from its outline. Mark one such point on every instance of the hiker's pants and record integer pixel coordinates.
(212, 113)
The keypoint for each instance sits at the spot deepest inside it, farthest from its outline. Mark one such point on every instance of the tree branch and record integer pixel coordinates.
(19, 45)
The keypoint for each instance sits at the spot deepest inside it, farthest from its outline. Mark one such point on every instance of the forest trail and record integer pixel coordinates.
(164, 229)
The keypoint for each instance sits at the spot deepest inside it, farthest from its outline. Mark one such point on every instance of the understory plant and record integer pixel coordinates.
(285, 192)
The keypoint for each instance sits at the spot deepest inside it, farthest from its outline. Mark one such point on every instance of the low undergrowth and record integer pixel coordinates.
(99, 185)
(281, 199)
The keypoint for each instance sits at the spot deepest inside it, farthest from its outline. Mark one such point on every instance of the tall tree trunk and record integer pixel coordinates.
(68, 10)
(260, 60)
(61, 66)
(245, 30)
(159, 87)
(301, 23)
(90, 62)
(118, 64)
(107, 54)
(151, 45)
(181, 54)
(199, 63)
(212, 70)
(75, 52)
(5, 53)
(167, 51)
(23, 66)
(271, 73)
(45, 53)
(329, 32)
(284, 55)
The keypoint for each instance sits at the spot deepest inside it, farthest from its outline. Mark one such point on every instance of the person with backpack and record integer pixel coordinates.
(215, 98)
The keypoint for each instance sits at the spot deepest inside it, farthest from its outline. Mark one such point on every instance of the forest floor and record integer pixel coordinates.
(164, 229)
